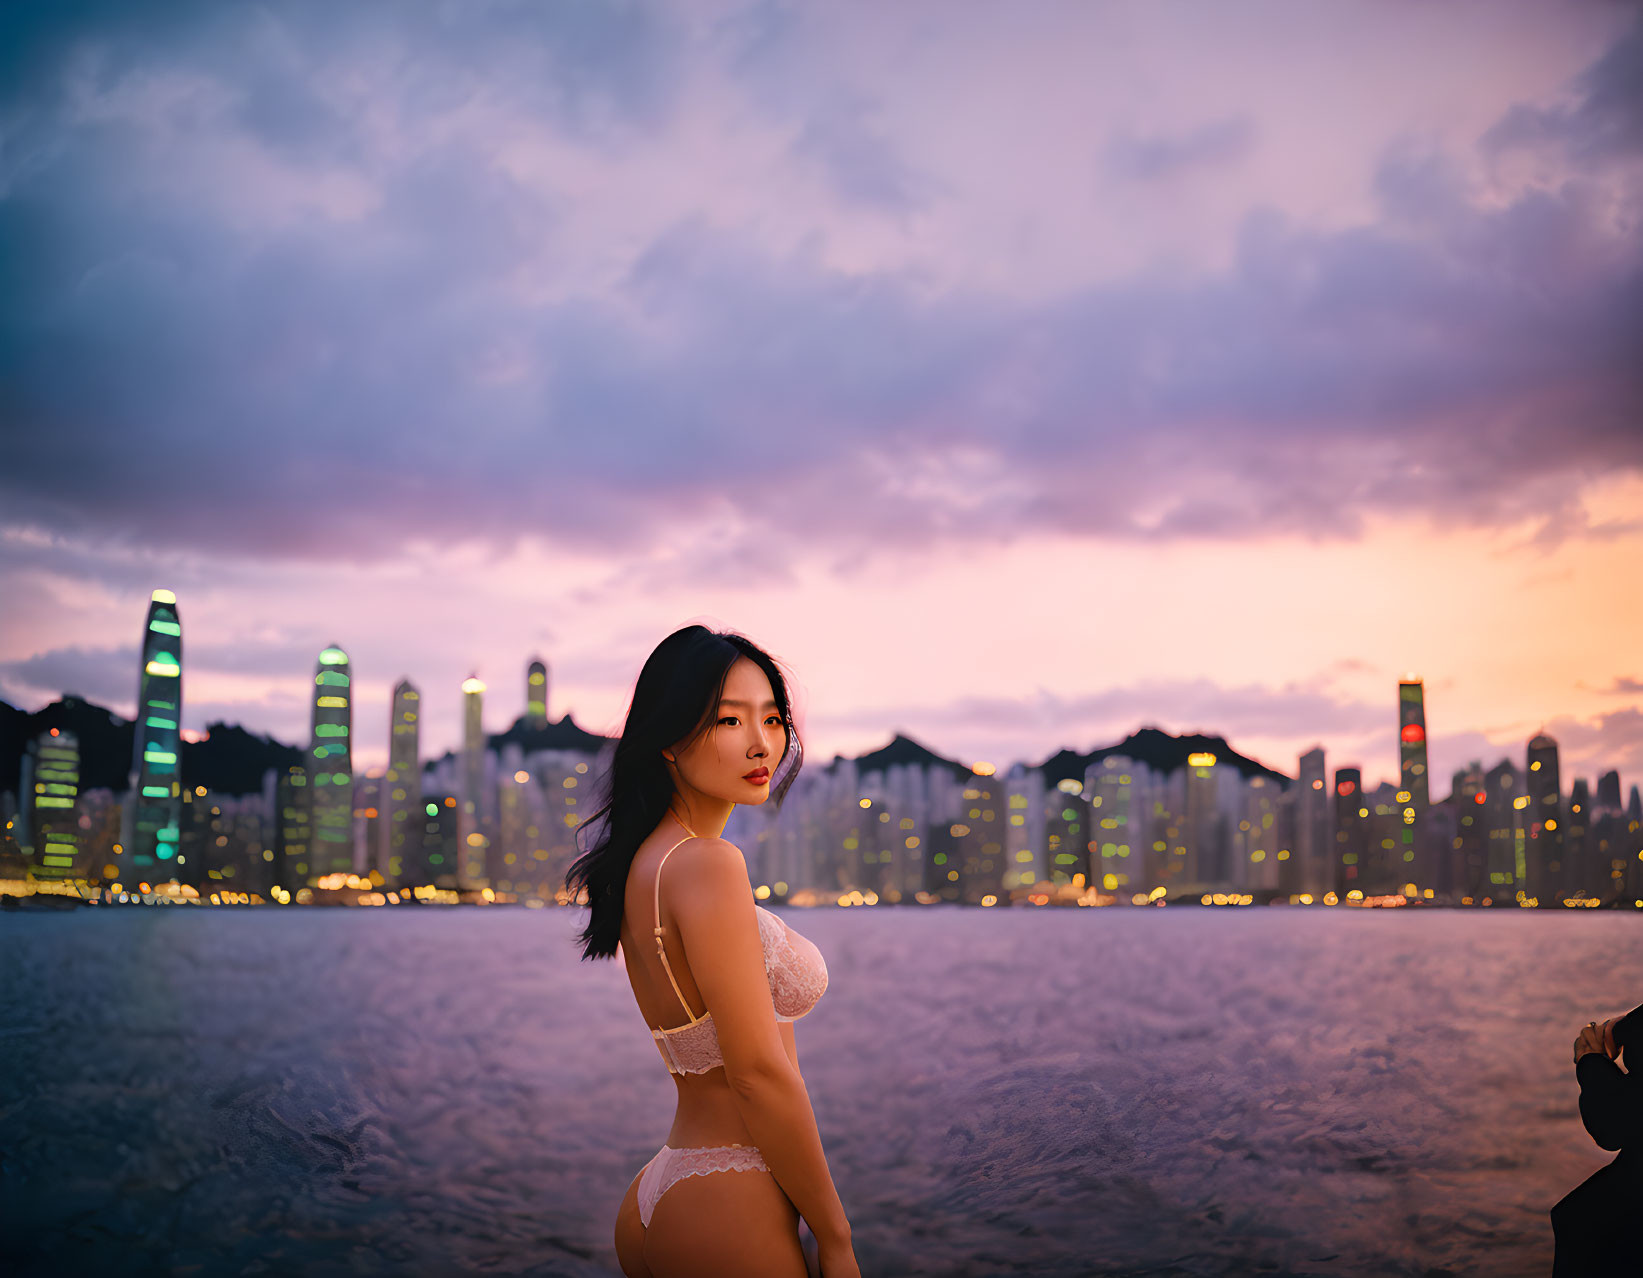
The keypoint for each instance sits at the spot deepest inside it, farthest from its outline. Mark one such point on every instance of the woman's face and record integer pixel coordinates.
(737, 755)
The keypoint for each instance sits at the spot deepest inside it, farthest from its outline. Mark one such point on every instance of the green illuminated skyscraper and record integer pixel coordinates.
(156, 753)
(56, 832)
(536, 694)
(330, 769)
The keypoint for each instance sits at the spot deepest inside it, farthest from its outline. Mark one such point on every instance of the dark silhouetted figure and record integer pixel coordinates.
(1595, 1225)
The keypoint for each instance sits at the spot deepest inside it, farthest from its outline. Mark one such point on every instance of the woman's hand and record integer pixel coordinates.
(1597, 1038)
(838, 1260)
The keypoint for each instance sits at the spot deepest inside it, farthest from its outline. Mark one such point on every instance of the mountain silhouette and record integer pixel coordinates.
(1160, 751)
(904, 750)
(232, 761)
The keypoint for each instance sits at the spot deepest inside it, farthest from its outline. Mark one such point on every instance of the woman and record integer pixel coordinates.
(1594, 1225)
(710, 726)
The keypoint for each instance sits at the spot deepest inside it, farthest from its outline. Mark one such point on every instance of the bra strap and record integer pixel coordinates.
(659, 947)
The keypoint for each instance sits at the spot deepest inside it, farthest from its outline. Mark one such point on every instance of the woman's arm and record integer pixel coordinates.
(776, 1108)
(714, 907)
(790, 1044)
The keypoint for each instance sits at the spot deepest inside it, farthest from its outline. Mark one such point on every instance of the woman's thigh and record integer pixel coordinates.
(630, 1235)
(735, 1224)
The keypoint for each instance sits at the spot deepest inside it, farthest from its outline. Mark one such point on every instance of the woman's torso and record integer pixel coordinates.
(707, 1112)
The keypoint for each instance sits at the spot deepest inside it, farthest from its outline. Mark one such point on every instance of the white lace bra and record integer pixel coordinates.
(794, 967)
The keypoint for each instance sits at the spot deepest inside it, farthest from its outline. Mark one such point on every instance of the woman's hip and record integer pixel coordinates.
(718, 1210)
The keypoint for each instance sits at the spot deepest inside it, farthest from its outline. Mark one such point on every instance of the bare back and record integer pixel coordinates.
(707, 1112)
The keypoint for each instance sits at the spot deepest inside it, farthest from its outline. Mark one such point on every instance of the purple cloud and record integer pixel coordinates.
(107, 676)
(1605, 118)
(365, 357)
(1150, 159)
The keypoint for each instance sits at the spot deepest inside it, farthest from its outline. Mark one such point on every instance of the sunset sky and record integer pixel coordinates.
(1017, 374)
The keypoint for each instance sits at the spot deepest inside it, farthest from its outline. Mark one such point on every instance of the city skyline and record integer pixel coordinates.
(534, 709)
(1016, 380)
(156, 752)
(1141, 823)
(477, 729)
(1151, 820)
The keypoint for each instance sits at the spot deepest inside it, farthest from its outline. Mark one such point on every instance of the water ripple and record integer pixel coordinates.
(1003, 1092)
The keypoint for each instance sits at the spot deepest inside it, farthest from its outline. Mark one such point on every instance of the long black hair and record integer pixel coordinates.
(673, 702)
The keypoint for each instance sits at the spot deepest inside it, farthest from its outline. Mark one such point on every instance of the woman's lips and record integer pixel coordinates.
(759, 776)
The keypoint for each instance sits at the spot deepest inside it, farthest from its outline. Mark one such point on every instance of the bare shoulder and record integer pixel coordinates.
(712, 868)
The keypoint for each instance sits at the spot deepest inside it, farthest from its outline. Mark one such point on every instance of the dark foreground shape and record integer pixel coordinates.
(1595, 1224)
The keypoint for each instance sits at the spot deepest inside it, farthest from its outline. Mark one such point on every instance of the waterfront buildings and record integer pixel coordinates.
(502, 815)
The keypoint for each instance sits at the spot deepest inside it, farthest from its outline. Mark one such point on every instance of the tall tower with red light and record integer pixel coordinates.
(1350, 868)
(1412, 742)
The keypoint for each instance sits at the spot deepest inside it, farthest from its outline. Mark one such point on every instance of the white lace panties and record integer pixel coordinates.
(672, 1164)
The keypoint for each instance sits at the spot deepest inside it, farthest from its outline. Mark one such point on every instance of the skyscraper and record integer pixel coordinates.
(330, 769)
(291, 840)
(1471, 846)
(156, 750)
(1608, 792)
(1543, 822)
(1412, 743)
(1117, 860)
(1632, 844)
(53, 824)
(1024, 833)
(1067, 835)
(402, 787)
(536, 694)
(1351, 841)
(1503, 809)
(1314, 855)
(471, 837)
(1257, 836)
(1578, 870)
(1204, 860)
(980, 831)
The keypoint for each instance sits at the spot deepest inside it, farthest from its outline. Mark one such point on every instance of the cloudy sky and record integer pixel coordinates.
(1018, 374)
